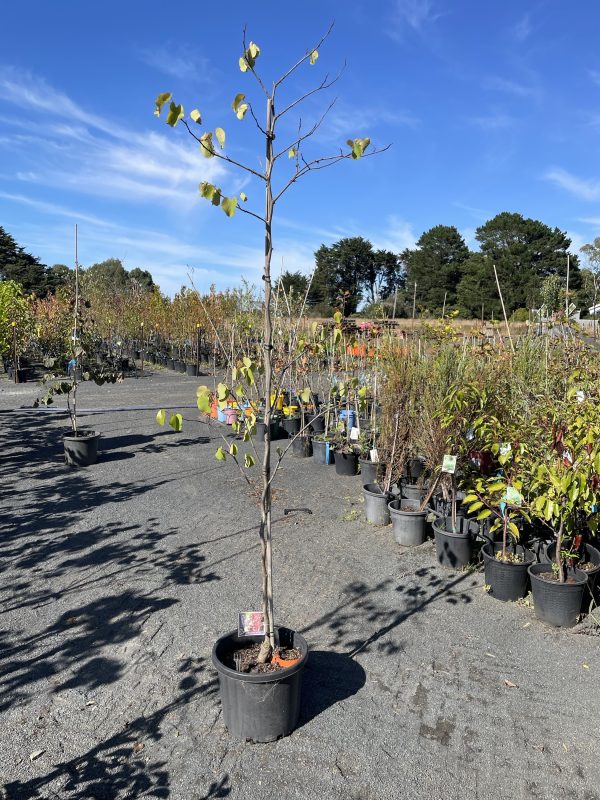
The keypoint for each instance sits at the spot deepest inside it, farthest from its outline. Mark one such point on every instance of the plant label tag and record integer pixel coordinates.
(505, 449)
(580, 396)
(251, 623)
(567, 457)
(374, 455)
(449, 464)
(470, 434)
(513, 497)
(354, 434)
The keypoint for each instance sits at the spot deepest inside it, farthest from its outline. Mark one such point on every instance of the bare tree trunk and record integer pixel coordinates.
(265, 503)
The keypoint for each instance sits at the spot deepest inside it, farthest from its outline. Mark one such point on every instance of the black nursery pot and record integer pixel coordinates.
(260, 707)
(453, 549)
(302, 447)
(346, 463)
(190, 370)
(81, 450)
(317, 424)
(507, 581)
(291, 425)
(322, 452)
(554, 603)
(170, 363)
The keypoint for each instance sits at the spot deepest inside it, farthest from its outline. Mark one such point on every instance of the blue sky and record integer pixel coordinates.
(489, 107)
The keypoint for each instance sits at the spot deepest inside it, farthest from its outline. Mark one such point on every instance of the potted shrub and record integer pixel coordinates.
(260, 700)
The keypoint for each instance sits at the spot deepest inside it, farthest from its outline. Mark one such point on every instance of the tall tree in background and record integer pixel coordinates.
(476, 293)
(25, 269)
(525, 251)
(436, 265)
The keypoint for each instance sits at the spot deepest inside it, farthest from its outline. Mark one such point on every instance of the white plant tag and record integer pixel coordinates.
(505, 449)
(251, 623)
(449, 464)
(374, 455)
(354, 434)
(580, 396)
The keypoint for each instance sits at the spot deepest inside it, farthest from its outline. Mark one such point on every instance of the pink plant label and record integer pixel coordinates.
(251, 623)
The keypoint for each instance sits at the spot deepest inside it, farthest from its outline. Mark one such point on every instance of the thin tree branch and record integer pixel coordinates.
(252, 70)
(309, 133)
(250, 213)
(306, 56)
(325, 84)
(216, 154)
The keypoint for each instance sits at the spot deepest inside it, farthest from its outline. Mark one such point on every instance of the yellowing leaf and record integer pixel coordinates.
(220, 134)
(207, 190)
(237, 100)
(196, 116)
(249, 461)
(304, 395)
(175, 114)
(243, 64)
(176, 422)
(241, 112)
(313, 56)
(204, 403)
(220, 455)
(233, 449)
(161, 416)
(229, 204)
(222, 391)
(160, 101)
(243, 197)
(358, 146)
(291, 152)
(206, 145)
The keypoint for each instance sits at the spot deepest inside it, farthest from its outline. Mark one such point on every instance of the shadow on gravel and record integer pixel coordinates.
(122, 766)
(328, 679)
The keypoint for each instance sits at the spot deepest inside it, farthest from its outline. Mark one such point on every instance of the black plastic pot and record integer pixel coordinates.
(317, 424)
(506, 581)
(555, 603)
(302, 447)
(190, 370)
(592, 557)
(261, 430)
(322, 452)
(411, 491)
(453, 549)
(81, 450)
(291, 425)
(180, 367)
(376, 505)
(409, 527)
(346, 463)
(260, 707)
(170, 363)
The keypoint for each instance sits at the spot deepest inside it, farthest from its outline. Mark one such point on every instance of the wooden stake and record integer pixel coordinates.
(512, 347)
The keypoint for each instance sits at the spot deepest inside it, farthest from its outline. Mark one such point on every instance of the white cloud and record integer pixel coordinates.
(584, 189)
(178, 61)
(514, 88)
(523, 28)
(494, 121)
(414, 14)
(87, 153)
(397, 236)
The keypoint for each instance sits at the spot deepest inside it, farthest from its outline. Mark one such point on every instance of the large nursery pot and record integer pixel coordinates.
(411, 491)
(190, 370)
(291, 425)
(408, 523)
(317, 424)
(259, 707)
(322, 452)
(346, 463)
(555, 603)
(170, 363)
(370, 470)
(81, 448)
(261, 430)
(506, 580)
(376, 504)
(302, 447)
(453, 548)
(592, 556)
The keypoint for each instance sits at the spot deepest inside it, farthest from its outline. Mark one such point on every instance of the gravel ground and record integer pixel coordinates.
(117, 579)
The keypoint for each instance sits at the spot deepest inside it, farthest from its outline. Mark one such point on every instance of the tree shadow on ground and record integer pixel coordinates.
(328, 679)
(119, 766)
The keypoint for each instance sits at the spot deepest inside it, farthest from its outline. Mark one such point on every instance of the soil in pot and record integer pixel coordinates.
(453, 548)
(376, 505)
(591, 565)
(260, 706)
(555, 603)
(507, 580)
(346, 463)
(408, 522)
(81, 449)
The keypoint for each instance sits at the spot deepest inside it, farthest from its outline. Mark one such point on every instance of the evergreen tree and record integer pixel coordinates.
(25, 269)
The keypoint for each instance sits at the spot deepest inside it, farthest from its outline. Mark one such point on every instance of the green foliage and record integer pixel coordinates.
(13, 309)
(21, 267)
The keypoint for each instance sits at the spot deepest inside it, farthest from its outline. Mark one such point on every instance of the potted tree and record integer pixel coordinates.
(261, 701)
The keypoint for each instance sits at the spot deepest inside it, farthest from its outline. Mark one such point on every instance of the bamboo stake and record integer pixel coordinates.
(512, 347)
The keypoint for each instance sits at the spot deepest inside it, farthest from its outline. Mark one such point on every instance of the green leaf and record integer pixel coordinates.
(313, 56)
(484, 514)
(241, 112)
(175, 114)
(161, 416)
(160, 101)
(206, 145)
(176, 422)
(222, 391)
(249, 461)
(358, 146)
(291, 152)
(233, 449)
(237, 101)
(247, 361)
(196, 116)
(204, 403)
(207, 190)
(229, 204)
(220, 455)
(337, 317)
(304, 395)
(220, 134)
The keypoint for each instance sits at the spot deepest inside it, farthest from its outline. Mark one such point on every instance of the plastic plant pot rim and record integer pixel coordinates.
(396, 511)
(497, 548)
(580, 576)
(375, 490)
(263, 677)
(85, 436)
(456, 535)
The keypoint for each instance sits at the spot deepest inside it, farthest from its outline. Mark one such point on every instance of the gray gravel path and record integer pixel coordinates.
(117, 579)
